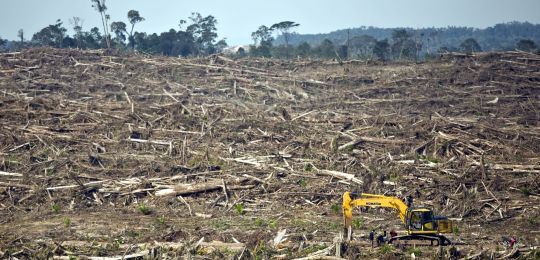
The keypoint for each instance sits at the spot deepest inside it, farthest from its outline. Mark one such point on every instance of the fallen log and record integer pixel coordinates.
(184, 189)
(370, 139)
(340, 175)
(10, 174)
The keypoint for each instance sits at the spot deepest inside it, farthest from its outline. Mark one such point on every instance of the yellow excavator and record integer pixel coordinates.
(420, 223)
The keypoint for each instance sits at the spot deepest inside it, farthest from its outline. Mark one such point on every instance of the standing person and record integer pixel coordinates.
(372, 237)
(381, 239)
(409, 201)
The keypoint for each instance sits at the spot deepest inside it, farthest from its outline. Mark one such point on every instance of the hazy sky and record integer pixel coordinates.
(238, 18)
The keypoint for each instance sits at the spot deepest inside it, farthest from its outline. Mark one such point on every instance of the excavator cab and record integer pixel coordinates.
(423, 221)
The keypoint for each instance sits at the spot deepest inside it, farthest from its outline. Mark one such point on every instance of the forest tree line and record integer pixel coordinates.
(197, 36)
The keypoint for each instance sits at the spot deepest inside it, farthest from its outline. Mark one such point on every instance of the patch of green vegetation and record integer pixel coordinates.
(221, 225)
(415, 250)
(394, 178)
(312, 249)
(349, 149)
(263, 251)
(335, 208)
(532, 220)
(144, 209)
(55, 208)
(240, 209)
(334, 226)
(456, 231)
(300, 222)
(161, 220)
(387, 248)
(526, 192)
(67, 221)
(272, 224)
(534, 254)
(428, 158)
(49, 171)
(265, 223)
(480, 113)
(358, 223)
(259, 222)
(308, 167)
(302, 183)
(132, 234)
(12, 158)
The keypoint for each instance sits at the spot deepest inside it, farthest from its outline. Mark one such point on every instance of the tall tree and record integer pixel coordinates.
(326, 49)
(20, 34)
(120, 30)
(362, 46)
(77, 23)
(263, 34)
(381, 49)
(52, 35)
(526, 45)
(285, 28)
(262, 39)
(100, 6)
(92, 39)
(134, 18)
(403, 46)
(303, 50)
(204, 31)
(470, 45)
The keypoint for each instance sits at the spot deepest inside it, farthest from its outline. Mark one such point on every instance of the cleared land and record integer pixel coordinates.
(111, 155)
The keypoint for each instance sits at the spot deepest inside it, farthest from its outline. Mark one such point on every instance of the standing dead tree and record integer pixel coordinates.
(100, 6)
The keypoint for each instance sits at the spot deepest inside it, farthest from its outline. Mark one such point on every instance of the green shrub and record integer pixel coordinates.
(526, 192)
(55, 208)
(67, 221)
(358, 223)
(239, 208)
(335, 208)
(144, 209)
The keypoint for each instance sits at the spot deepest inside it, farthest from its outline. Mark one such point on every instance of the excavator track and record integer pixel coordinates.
(435, 240)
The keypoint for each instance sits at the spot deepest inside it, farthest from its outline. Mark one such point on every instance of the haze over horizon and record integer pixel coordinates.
(238, 19)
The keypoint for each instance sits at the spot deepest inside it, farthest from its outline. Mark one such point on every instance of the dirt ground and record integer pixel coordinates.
(134, 156)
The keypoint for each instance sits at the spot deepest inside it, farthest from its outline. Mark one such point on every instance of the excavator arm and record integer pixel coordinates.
(370, 200)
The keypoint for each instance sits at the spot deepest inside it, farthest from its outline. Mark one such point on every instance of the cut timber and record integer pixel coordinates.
(320, 257)
(370, 139)
(10, 174)
(95, 184)
(184, 189)
(150, 141)
(220, 246)
(341, 175)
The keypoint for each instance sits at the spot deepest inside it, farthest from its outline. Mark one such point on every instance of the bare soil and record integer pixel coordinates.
(112, 155)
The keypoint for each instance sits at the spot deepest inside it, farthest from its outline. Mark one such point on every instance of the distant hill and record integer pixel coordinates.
(499, 37)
